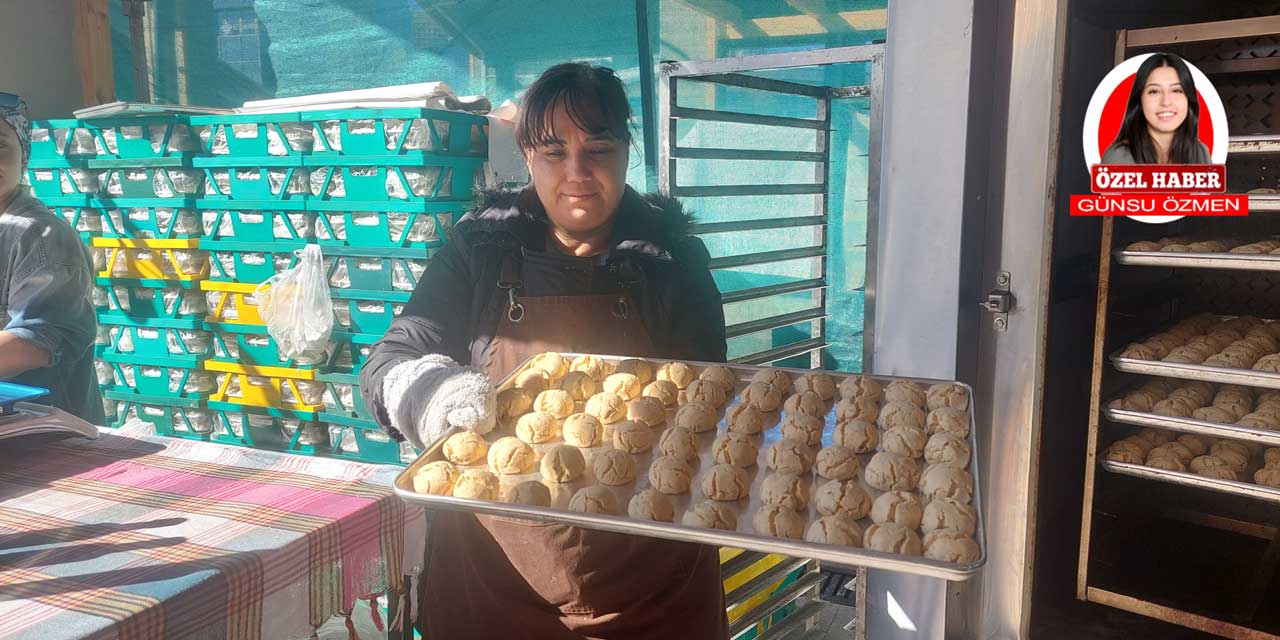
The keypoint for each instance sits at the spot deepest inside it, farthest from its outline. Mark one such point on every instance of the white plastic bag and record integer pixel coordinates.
(296, 307)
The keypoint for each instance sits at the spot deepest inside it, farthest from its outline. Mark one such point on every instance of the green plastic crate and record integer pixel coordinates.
(429, 133)
(145, 299)
(60, 139)
(250, 135)
(257, 183)
(368, 274)
(349, 352)
(423, 229)
(263, 226)
(366, 181)
(166, 377)
(168, 416)
(263, 428)
(61, 182)
(251, 345)
(358, 439)
(250, 262)
(172, 184)
(159, 339)
(337, 402)
(136, 139)
(85, 219)
(366, 312)
(147, 218)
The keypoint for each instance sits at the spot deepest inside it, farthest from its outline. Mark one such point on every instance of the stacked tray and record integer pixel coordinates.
(1184, 253)
(744, 510)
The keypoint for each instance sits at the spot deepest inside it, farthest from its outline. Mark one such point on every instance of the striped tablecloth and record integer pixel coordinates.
(136, 537)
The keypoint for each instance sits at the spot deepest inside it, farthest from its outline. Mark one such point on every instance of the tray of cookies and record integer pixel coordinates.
(1242, 351)
(1205, 253)
(1191, 459)
(1217, 411)
(847, 469)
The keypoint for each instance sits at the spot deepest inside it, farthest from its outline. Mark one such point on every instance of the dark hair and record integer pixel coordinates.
(592, 96)
(1133, 130)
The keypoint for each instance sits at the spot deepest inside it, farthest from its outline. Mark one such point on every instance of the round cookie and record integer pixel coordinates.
(554, 402)
(778, 521)
(582, 430)
(805, 402)
(1197, 444)
(902, 507)
(1174, 449)
(948, 420)
(593, 366)
(534, 381)
(511, 456)
(537, 428)
(632, 437)
(891, 472)
(553, 363)
(594, 499)
(513, 403)
(1268, 477)
(563, 463)
(950, 546)
(945, 513)
(857, 409)
(947, 449)
(905, 391)
(579, 385)
(891, 537)
(789, 456)
(647, 410)
(614, 467)
(947, 394)
(904, 441)
(680, 443)
(900, 414)
(677, 373)
(651, 505)
(817, 382)
(625, 385)
(746, 419)
(1271, 457)
(721, 376)
(775, 378)
(641, 369)
(726, 482)
(947, 482)
(529, 492)
(465, 448)
(663, 391)
(607, 407)
(847, 497)
(736, 449)
(785, 490)
(763, 396)
(838, 529)
(860, 388)
(1127, 452)
(476, 484)
(711, 515)
(697, 417)
(803, 428)
(859, 435)
(670, 475)
(837, 463)
(435, 478)
(706, 392)
(1168, 463)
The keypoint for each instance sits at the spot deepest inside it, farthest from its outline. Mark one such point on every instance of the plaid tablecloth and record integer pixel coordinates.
(136, 537)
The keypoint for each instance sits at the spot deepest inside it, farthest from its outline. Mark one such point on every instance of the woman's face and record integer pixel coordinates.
(579, 177)
(10, 162)
(1164, 103)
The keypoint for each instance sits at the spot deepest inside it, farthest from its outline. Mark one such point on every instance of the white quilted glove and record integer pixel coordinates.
(429, 396)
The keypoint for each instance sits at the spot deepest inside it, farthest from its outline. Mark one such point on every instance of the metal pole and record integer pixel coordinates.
(648, 117)
(136, 10)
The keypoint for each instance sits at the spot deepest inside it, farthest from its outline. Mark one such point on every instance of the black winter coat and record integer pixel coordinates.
(457, 304)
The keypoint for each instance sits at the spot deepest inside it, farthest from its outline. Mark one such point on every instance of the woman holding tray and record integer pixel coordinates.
(46, 285)
(576, 262)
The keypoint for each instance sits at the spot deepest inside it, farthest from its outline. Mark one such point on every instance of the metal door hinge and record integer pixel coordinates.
(1000, 301)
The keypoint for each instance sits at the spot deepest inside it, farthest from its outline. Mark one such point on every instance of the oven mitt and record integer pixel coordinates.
(428, 396)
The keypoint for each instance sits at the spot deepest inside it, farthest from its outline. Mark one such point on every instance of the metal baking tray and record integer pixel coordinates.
(1201, 372)
(1243, 489)
(745, 537)
(1190, 425)
(1261, 144)
(1198, 260)
(1264, 202)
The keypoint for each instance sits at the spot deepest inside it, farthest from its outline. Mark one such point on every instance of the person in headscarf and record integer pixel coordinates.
(46, 285)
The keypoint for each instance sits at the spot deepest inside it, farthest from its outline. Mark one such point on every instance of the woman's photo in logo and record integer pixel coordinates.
(1155, 108)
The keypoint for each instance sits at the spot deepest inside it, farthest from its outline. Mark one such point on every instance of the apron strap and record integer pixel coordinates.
(509, 280)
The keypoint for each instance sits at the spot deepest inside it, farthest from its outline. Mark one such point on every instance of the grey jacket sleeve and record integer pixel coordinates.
(432, 322)
(49, 293)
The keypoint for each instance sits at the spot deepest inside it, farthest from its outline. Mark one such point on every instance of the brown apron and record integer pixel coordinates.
(495, 577)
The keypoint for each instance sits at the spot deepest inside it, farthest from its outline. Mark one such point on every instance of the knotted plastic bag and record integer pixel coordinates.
(296, 307)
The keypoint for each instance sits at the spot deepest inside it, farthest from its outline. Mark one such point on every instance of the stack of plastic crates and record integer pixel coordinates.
(128, 186)
(378, 191)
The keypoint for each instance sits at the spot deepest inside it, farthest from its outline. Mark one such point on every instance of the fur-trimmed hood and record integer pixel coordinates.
(651, 223)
